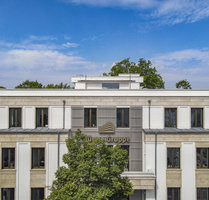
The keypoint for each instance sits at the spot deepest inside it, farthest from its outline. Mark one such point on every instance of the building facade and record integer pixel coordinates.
(165, 133)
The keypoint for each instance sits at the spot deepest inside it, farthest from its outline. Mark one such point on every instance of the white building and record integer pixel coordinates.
(170, 125)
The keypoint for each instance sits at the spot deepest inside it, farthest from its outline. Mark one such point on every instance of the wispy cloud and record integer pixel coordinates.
(68, 44)
(32, 60)
(157, 12)
(190, 64)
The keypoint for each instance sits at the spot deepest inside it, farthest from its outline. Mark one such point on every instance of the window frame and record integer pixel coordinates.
(90, 118)
(42, 118)
(37, 189)
(195, 121)
(15, 117)
(170, 118)
(9, 158)
(123, 118)
(172, 191)
(172, 157)
(38, 157)
(202, 159)
(10, 190)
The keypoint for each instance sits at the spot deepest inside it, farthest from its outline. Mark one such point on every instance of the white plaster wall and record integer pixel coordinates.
(63, 150)
(28, 117)
(23, 160)
(184, 117)
(51, 163)
(56, 116)
(156, 117)
(80, 85)
(135, 85)
(94, 85)
(206, 117)
(123, 86)
(161, 171)
(68, 117)
(188, 166)
(149, 156)
(4, 117)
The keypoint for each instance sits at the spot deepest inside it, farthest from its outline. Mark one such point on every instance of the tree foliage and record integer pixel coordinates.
(1, 87)
(36, 84)
(29, 84)
(93, 172)
(152, 79)
(183, 84)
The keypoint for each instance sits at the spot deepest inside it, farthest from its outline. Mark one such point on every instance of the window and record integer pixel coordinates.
(202, 157)
(202, 193)
(41, 117)
(7, 193)
(123, 117)
(90, 117)
(37, 193)
(173, 157)
(8, 158)
(15, 117)
(110, 85)
(126, 147)
(173, 194)
(196, 117)
(170, 117)
(38, 158)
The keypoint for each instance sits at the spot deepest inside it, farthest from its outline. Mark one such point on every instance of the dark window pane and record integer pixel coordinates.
(198, 157)
(41, 117)
(173, 157)
(204, 157)
(37, 193)
(176, 157)
(170, 117)
(166, 117)
(38, 117)
(126, 117)
(38, 158)
(86, 117)
(110, 85)
(204, 193)
(196, 117)
(169, 193)
(93, 117)
(176, 193)
(7, 194)
(173, 117)
(15, 117)
(8, 158)
(198, 193)
(119, 117)
(199, 117)
(169, 157)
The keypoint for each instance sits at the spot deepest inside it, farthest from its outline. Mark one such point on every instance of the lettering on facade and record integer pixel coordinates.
(110, 139)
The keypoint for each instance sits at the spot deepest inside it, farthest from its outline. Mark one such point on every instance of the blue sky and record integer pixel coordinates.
(52, 40)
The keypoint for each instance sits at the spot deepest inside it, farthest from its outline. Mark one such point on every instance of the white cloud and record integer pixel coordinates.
(67, 37)
(158, 12)
(190, 64)
(68, 44)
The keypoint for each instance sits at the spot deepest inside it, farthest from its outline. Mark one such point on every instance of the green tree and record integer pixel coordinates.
(57, 86)
(1, 87)
(152, 79)
(29, 84)
(183, 84)
(93, 172)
